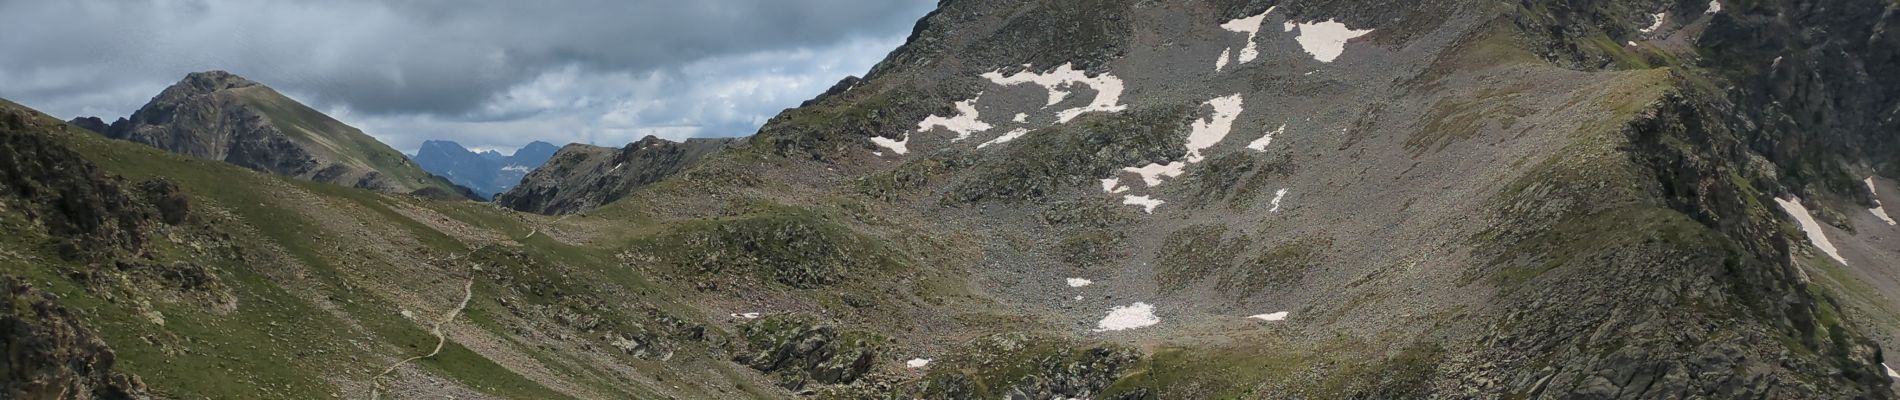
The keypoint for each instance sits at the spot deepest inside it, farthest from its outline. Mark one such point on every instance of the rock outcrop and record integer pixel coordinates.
(581, 177)
(50, 355)
(217, 115)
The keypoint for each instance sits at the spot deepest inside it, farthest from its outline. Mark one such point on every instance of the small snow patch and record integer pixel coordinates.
(1265, 140)
(1151, 174)
(1715, 6)
(1277, 196)
(1325, 40)
(1128, 317)
(1221, 63)
(964, 123)
(1890, 373)
(896, 146)
(517, 168)
(1879, 210)
(1113, 185)
(1809, 226)
(1207, 132)
(1147, 204)
(1021, 117)
(1660, 18)
(1279, 316)
(917, 362)
(1251, 27)
(1011, 135)
(1079, 282)
(750, 315)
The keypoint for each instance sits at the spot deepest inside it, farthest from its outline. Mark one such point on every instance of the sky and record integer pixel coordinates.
(490, 74)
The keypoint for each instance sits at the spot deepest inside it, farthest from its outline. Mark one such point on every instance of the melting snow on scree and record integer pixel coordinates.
(1879, 210)
(1660, 18)
(1325, 40)
(1057, 82)
(1250, 26)
(1203, 134)
(1278, 316)
(1079, 282)
(1809, 226)
(1128, 317)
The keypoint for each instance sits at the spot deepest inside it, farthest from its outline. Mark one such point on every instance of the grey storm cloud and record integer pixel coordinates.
(488, 72)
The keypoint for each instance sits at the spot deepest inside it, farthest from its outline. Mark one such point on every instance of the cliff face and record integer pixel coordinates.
(219, 116)
(581, 177)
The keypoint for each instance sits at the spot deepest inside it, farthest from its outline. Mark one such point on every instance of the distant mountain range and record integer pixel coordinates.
(487, 173)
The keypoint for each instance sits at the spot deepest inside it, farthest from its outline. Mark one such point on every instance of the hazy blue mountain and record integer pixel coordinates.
(488, 172)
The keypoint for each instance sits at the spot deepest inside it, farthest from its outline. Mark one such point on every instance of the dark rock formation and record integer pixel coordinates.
(801, 352)
(581, 177)
(92, 124)
(49, 355)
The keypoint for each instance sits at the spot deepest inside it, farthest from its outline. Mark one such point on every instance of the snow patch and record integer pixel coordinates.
(1809, 226)
(1221, 63)
(896, 146)
(1251, 27)
(1264, 140)
(1660, 18)
(1113, 185)
(1278, 316)
(964, 123)
(1021, 118)
(1147, 204)
(1151, 174)
(1325, 40)
(1079, 282)
(1108, 88)
(1715, 6)
(1128, 317)
(1890, 373)
(750, 315)
(1011, 135)
(517, 168)
(1207, 132)
(1879, 210)
(1277, 196)
(917, 362)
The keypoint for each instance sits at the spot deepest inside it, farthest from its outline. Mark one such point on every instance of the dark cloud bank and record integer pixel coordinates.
(488, 73)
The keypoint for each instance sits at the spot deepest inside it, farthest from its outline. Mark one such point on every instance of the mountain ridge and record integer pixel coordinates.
(1445, 199)
(221, 116)
(488, 173)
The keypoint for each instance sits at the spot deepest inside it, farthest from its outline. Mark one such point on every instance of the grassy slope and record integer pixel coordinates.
(278, 344)
(337, 141)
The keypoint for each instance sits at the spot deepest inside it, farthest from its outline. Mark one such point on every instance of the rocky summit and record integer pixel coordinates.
(220, 116)
(581, 177)
(1043, 199)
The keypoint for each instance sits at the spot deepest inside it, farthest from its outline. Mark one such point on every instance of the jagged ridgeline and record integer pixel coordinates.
(1063, 199)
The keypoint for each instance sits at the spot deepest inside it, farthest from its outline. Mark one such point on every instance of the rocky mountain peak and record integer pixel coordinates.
(213, 81)
(218, 115)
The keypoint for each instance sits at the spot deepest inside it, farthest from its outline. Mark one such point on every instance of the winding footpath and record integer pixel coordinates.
(468, 292)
